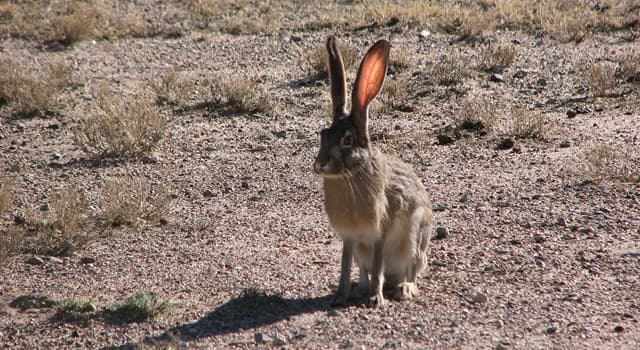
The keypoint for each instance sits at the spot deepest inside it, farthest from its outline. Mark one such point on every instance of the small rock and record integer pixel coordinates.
(497, 78)
(478, 297)
(262, 338)
(542, 82)
(279, 341)
(211, 148)
(45, 207)
(455, 323)
(444, 139)
(424, 34)
(571, 113)
(538, 238)
(506, 143)
(258, 148)
(582, 110)
(244, 184)
(57, 156)
(561, 221)
(500, 347)
(618, 329)
(586, 229)
(280, 134)
(441, 233)
(35, 260)
(296, 39)
(552, 330)
(87, 260)
(53, 259)
(208, 193)
(150, 159)
(565, 144)
(520, 74)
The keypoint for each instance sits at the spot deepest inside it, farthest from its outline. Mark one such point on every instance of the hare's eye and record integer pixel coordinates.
(347, 140)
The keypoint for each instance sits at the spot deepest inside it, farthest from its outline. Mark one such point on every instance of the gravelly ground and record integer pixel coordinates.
(557, 260)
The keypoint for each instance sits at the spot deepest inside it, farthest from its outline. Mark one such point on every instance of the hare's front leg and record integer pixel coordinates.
(344, 285)
(377, 275)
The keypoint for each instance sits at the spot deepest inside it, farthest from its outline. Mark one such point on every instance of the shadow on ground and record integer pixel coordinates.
(252, 309)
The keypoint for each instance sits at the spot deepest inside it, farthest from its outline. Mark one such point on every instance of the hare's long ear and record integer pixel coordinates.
(336, 78)
(368, 83)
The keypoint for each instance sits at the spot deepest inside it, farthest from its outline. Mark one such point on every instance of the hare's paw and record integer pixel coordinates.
(376, 300)
(359, 291)
(405, 291)
(341, 297)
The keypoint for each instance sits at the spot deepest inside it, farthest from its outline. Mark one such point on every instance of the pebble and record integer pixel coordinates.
(441, 233)
(262, 338)
(55, 260)
(424, 33)
(538, 238)
(45, 207)
(478, 297)
(87, 260)
(521, 73)
(586, 229)
(571, 113)
(497, 78)
(565, 144)
(207, 194)
(444, 139)
(35, 260)
(506, 143)
(150, 159)
(618, 329)
(552, 330)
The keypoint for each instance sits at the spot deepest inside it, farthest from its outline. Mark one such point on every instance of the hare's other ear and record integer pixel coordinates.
(336, 78)
(369, 81)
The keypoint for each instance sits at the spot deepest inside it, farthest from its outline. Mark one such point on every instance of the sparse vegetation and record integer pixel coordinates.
(5, 195)
(496, 57)
(126, 201)
(450, 70)
(120, 128)
(395, 95)
(10, 243)
(240, 95)
(317, 60)
(139, 307)
(172, 88)
(66, 227)
(75, 310)
(399, 60)
(601, 162)
(474, 114)
(31, 90)
(628, 68)
(524, 124)
(601, 78)
(78, 25)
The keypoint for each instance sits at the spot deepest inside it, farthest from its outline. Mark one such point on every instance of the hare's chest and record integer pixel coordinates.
(354, 217)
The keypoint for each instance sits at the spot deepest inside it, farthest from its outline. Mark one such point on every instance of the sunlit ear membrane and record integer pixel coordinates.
(347, 140)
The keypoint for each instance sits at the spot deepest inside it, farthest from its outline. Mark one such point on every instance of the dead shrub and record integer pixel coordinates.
(395, 95)
(241, 95)
(475, 114)
(450, 70)
(5, 195)
(127, 201)
(317, 61)
(32, 90)
(601, 162)
(172, 88)
(469, 23)
(628, 68)
(10, 243)
(66, 227)
(496, 57)
(524, 124)
(399, 61)
(117, 127)
(79, 25)
(601, 78)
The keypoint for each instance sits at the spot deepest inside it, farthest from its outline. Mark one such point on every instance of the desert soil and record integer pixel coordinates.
(534, 256)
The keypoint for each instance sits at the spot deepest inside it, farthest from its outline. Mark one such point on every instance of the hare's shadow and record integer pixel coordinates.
(252, 309)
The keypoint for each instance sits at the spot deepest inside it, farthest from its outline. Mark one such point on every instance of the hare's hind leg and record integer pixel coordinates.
(421, 233)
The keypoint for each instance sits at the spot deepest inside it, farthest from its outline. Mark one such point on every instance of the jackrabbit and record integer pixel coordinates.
(375, 202)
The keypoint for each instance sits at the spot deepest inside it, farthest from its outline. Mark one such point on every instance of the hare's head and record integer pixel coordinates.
(344, 146)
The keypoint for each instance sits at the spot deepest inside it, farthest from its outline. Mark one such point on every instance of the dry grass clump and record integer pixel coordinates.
(32, 89)
(10, 243)
(5, 195)
(399, 60)
(601, 162)
(138, 307)
(75, 311)
(521, 123)
(240, 95)
(395, 95)
(475, 114)
(129, 201)
(450, 70)
(117, 127)
(66, 227)
(601, 78)
(316, 61)
(79, 25)
(628, 68)
(496, 57)
(172, 88)
(238, 17)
